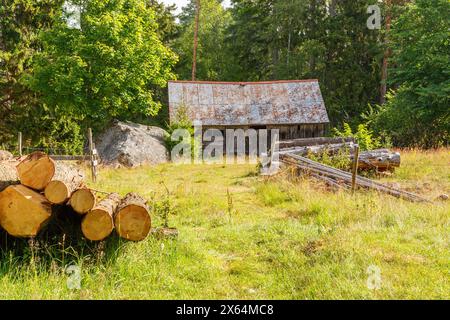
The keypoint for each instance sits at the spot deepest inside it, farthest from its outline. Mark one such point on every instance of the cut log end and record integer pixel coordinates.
(97, 225)
(36, 170)
(133, 222)
(57, 192)
(82, 200)
(23, 212)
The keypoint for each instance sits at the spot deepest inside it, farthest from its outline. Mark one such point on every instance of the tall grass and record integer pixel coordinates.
(246, 237)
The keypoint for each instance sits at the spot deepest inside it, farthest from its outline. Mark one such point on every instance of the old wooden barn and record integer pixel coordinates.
(295, 107)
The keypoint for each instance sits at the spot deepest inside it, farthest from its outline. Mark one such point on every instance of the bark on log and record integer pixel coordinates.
(23, 212)
(99, 222)
(82, 200)
(132, 219)
(8, 174)
(36, 170)
(66, 180)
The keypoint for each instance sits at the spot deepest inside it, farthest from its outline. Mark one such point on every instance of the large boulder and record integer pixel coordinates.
(129, 144)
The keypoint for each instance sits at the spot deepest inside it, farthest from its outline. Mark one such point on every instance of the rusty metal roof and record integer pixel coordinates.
(248, 103)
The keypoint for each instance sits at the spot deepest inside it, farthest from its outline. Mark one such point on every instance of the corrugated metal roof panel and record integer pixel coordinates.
(248, 103)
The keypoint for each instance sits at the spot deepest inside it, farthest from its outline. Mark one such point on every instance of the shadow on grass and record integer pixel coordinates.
(59, 245)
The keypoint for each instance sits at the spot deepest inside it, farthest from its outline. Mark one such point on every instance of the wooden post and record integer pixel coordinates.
(20, 143)
(91, 155)
(355, 168)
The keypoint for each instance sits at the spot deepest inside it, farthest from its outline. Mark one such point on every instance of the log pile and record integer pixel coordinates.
(295, 153)
(342, 179)
(33, 188)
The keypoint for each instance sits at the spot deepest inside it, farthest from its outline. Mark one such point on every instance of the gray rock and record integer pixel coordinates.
(130, 145)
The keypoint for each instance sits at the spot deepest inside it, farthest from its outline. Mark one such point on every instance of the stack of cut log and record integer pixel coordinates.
(32, 188)
(342, 179)
(295, 152)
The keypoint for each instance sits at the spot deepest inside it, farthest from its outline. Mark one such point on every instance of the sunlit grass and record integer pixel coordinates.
(282, 239)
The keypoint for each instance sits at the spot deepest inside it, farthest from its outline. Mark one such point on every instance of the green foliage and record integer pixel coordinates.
(418, 113)
(364, 137)
(340, 160)
(105, 70)
(212, 58)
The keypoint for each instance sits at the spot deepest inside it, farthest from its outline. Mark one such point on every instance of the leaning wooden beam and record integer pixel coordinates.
(381, 159)
(330, 181)
(307, 164)
(318, 174)
(346, 179)
(329, 148)
(367, 183)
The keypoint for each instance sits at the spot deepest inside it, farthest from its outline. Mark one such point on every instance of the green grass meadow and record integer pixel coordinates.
(242, 236)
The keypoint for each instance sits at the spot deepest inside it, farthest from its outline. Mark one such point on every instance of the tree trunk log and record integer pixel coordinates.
(5, 155)
(99, 222)
(132, 219)
(66, 180)
(313, 142)
(8, 174)
(82, 200)
(23, 212)
(381, 159)
(36, 170)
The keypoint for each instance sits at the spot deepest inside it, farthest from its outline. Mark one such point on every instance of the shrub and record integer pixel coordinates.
(341, 160)
(364, 137)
